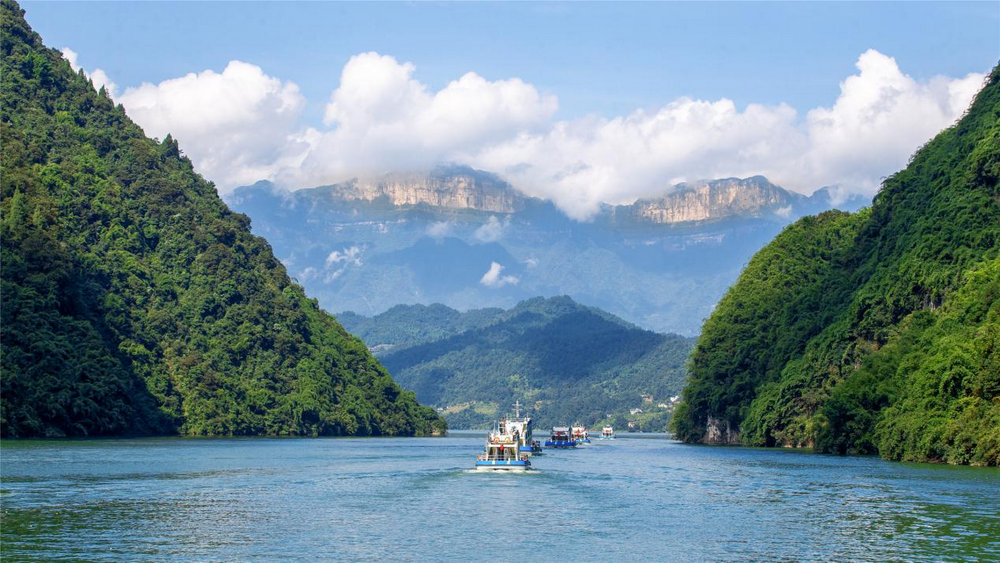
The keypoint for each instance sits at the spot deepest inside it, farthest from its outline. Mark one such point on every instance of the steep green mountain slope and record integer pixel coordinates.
(877, 332)
(568, 363)
(135, 301)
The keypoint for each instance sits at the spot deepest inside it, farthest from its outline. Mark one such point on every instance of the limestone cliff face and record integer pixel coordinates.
(719, 432)
(716, 199)
(448, 187)
(461, 187)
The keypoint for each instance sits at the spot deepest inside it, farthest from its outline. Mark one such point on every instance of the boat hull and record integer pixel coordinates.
(560, 445)
(511, 466)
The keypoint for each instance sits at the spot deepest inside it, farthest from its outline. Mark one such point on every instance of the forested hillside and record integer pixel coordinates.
(135, 302)
(877, 332)
(406, 325)
(566, 362)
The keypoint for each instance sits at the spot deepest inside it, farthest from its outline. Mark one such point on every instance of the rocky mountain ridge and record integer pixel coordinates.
(454, 187)
(358, 250)
(708, 200)
(464, 188)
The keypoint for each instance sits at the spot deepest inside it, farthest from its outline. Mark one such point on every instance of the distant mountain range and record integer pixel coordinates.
(468, 239)
(565, 362)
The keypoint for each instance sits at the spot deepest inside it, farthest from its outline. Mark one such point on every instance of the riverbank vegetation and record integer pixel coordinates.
(877, 332)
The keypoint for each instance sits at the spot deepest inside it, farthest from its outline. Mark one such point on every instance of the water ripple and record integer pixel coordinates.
(416, 499)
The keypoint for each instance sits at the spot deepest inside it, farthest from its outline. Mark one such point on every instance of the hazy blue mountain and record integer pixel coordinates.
(435, 237)
(565, 362)
(406, 325)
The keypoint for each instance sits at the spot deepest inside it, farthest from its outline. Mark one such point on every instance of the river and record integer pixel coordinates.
(641, 497)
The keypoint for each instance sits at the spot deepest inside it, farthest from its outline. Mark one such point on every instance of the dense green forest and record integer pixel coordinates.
(135, 302)
(877, 332)
(568, 363)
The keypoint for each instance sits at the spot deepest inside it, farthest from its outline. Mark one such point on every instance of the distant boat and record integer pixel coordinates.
(580, 435)
(560, 438)
(522, 430)
(501, 452)
(608, 433)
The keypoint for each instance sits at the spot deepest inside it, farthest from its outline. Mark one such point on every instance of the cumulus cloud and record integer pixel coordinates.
(493, 277)
(385, 120)
(237, 126)
(492, 230)
(880, 117)
(242, 125)
(439, 229)
(98, 77)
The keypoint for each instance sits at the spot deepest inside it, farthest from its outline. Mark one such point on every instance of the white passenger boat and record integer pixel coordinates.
(501, 452)
(608, 433)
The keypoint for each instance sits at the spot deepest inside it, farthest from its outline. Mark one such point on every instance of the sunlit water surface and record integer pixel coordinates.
(640, 498)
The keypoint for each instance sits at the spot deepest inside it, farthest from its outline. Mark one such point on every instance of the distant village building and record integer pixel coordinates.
(663, 406)
(647, 398)
(635, 411)
(632, 424)
(675, 399)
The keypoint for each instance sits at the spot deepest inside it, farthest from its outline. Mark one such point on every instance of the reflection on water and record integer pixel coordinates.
(631, 499)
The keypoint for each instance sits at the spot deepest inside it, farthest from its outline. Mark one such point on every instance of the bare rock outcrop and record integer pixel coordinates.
(715, 199)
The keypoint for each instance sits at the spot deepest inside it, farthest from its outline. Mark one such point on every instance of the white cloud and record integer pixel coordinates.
(440, 229)
(385, 120)
(350, 255)
(492, 230)
(72, 57)
(242, 125)
(338, 261)
(238, 126)
(492, 277)
(98, 77)
(783, 211)
(880, 117)
(307, 274)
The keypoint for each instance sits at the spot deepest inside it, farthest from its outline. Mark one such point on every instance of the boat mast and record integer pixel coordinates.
(517, 408)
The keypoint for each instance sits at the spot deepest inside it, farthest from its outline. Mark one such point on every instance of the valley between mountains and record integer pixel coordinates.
(137, 301)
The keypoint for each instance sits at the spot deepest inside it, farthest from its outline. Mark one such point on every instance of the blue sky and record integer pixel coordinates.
(597, 57)
(609, 70)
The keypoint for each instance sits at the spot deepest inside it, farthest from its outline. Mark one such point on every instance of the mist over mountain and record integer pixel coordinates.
(468, 239)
